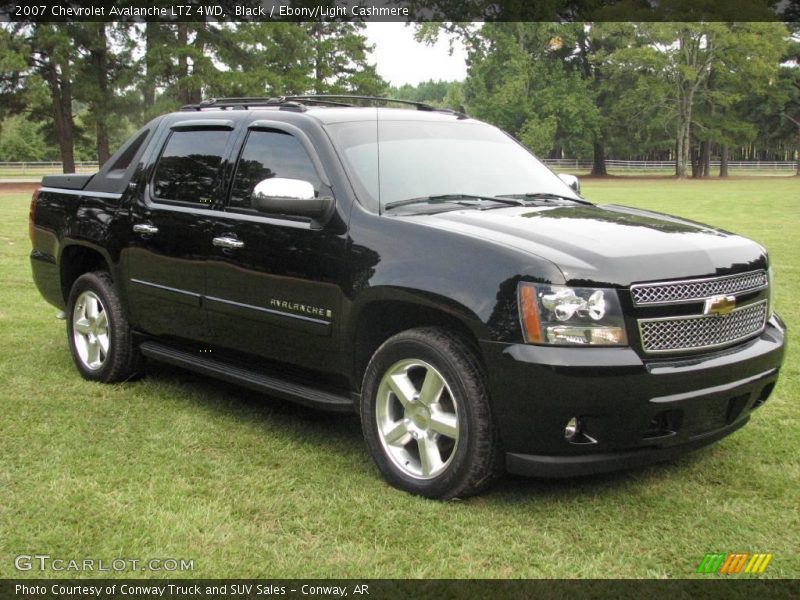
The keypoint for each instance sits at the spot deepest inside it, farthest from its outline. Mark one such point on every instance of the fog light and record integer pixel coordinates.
(575, 432)
(571, 430)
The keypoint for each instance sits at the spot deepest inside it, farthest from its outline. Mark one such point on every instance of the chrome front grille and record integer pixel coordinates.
(673, 292)
(673, 334)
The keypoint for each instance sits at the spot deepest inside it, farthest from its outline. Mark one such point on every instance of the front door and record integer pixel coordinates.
(273, 282)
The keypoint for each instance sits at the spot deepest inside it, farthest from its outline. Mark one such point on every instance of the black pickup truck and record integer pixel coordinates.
(419, 267)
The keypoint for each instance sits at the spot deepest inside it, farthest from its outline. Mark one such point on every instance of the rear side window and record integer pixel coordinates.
(269, 154)
(189, 167)
(125, 159)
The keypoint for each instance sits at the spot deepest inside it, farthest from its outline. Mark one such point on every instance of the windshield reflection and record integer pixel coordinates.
(403, 159)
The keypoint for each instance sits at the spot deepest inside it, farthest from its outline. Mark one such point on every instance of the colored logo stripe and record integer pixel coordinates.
(733, 563)
(758, 563)
(710, 563)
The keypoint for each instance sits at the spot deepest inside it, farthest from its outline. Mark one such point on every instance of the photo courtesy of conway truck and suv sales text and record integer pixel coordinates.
(416, 266)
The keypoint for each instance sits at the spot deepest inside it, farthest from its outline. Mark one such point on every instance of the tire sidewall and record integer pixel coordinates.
(387, 355)
(97, 284)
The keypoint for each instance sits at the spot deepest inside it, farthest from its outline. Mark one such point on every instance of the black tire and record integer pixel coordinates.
(411, 437)
(121, 360)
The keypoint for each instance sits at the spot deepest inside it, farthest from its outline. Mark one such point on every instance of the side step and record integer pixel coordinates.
(288, 390)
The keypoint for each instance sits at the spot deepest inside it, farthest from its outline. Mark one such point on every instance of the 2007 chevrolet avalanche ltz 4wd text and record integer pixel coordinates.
(420, 267)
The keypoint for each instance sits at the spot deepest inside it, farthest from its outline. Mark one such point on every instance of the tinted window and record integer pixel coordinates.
(413, 159)
(127, 155)
(189, 165)
(269, 154)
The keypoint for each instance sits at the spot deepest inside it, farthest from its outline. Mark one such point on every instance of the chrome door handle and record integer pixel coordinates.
(145, 228)
(227, 242)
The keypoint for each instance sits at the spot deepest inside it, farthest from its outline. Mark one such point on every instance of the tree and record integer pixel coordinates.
(21, 140)
(518, 80)
(340, 60)
(51, 58)
(595, 41)
(445, 94)
(789, 77)
(103, 70)
(191, 61)
(552, 71)
(43, 81)
(680, 58)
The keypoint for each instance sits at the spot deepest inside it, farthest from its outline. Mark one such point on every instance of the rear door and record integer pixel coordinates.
(274, 281)
(171, 228)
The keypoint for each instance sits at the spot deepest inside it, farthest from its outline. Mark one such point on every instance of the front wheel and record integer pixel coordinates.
(426, 417)
(99, 336)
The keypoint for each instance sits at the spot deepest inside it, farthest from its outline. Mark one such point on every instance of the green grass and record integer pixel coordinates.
(175, 465)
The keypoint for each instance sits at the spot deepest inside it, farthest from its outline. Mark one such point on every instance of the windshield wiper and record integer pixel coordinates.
(463, 199)
(544, 196)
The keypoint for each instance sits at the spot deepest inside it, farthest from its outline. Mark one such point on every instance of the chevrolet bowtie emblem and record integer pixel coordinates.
(719, 305)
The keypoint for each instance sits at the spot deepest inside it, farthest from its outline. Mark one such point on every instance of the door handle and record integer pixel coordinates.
(227, 242)
(145, 228)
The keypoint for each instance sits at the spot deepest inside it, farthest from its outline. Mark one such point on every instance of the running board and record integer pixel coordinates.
(288, 390)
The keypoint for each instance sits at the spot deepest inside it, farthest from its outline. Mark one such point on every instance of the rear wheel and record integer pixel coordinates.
(426, 416)
(99, 336)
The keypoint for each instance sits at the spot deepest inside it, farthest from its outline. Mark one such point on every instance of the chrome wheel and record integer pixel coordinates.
(90, 330)
(417, 418)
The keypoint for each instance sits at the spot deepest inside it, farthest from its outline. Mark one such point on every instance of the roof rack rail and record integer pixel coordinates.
(383, 100)
(297, 103)
(378, 99)
(245, 103)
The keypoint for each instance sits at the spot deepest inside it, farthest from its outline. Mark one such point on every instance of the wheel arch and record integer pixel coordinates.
(381, 317)
(77, 258)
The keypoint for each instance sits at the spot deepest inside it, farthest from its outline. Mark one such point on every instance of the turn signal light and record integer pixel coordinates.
(32, 213)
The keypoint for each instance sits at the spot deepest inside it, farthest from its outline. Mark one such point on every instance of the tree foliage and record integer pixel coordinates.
(445, 94)
(693, 75)
(519, 79)
(671, 90)
(94, 83)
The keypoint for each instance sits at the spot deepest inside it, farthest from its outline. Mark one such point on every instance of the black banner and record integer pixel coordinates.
(401, 10)
(380, 589)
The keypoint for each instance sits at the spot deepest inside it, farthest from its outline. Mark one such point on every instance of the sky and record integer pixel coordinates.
(400, 59)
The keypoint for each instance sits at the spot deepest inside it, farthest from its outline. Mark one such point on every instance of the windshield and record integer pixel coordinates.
(419, 159)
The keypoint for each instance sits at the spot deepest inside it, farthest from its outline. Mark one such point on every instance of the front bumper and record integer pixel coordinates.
(632, 411)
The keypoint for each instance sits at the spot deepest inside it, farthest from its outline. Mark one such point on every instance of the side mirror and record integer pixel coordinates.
(571, 181)
(295, 197)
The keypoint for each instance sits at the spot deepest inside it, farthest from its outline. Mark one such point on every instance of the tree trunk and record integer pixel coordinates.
(599, 158)
(317, 33)
(697, 169)
(149, 85)
(61, 91)
(184, 94)
(705, 158)
(99, 58)
(682, 149)
(723, 161)
(798, 153)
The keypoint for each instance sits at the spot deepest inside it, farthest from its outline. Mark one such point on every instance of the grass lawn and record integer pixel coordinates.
(180, 466)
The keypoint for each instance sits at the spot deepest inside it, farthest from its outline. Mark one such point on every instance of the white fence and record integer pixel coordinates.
(24, 169)
(561, 164)
(30, 169)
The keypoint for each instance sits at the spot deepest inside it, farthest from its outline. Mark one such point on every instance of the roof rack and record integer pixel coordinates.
(245, 103)
(375, 99)
(298, 103)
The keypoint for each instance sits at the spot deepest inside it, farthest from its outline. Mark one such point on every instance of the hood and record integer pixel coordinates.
(609, 244)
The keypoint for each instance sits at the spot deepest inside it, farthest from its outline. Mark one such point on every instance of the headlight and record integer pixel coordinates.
(570, 316)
